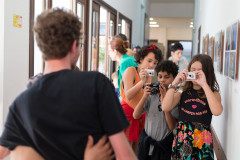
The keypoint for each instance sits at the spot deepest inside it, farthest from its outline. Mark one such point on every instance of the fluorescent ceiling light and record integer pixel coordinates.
(191, 23)
(152, 22)
(150, 19)
(191, 26)
(153, 25)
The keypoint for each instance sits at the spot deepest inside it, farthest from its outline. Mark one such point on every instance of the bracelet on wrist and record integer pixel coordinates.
(172, 86)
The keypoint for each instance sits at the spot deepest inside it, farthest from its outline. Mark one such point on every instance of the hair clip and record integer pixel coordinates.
(153, 47)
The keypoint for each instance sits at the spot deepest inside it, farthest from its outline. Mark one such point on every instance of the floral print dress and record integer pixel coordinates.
(192, 136)
(192, 141)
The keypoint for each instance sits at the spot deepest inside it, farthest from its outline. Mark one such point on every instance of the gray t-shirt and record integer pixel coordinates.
(155, 123)
(180, 63)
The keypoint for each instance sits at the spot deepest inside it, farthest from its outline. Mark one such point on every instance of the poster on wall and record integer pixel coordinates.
(206, 41)
(232, 51)
(227, 54)
(218, 51)
(203, 45)
(232, 65)
(211, 48)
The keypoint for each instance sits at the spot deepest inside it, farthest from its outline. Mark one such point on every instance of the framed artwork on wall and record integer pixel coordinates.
(203, 45)
(232, 51)
(218, 51)
(206, 43)
(211, 48)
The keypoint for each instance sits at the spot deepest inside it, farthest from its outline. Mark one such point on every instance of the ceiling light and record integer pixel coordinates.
(191, 23)
(153, 25)
(191, 26)
(150, 19)
(152, 22)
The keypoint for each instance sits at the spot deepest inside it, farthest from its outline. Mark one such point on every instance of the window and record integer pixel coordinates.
(125, 27)
(80, 14)
(66, 4)
(38, 61)
(103, 41)
(95, 36)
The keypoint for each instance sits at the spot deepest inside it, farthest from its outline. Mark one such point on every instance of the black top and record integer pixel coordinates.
(192, 108)
(57, 113)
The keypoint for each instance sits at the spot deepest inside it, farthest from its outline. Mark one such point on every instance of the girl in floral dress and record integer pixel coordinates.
(197, 101)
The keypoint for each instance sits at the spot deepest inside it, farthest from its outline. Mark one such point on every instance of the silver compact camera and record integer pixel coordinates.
(150, 72)
(191, 75)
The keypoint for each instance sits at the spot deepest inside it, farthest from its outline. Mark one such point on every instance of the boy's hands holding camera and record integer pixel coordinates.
(147, 90)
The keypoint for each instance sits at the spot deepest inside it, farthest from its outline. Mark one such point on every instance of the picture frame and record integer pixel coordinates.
(231, 63)
(211, 48)
(218, 51)
(206, 43)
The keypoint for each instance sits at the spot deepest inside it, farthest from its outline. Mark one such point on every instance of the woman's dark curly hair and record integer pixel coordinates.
(147, 49)
(167, 66)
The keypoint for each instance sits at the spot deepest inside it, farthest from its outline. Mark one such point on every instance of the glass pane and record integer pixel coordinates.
(110, 35)
(38, 62)
(120, 26)
(66, 4)
(123, 31)
(102, 41)
(80, 14)
(94, 41)
(111, 28)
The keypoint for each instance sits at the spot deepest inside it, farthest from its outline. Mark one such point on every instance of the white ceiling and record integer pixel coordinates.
(172, 22)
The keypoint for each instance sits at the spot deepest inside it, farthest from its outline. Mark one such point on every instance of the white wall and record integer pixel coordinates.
(1, 60)
(14, 52)
(171, 10)
(163, 34)
(132, 10)
(214, 16)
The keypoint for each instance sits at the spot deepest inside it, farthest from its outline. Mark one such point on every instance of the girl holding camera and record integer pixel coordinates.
(132, 89)
(198, 101)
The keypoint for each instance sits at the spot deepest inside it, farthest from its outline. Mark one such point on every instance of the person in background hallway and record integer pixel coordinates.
(176, 56)
(125, 43)
(199, 100)
(132, 89)
(56, 115)
(156, 139)
(118, 53)
(136, 49)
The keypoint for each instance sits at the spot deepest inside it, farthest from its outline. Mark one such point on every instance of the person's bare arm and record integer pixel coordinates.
(139, 107)
(171, 121)
(25, 153)
(130, 89)
(4, 152)
(121, 147)
(171, 98)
